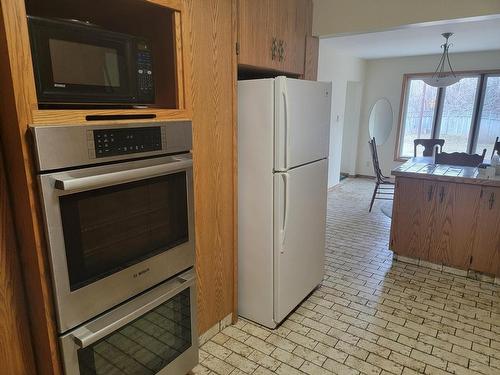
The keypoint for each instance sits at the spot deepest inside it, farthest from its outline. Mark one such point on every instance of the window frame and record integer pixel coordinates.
(476, 115)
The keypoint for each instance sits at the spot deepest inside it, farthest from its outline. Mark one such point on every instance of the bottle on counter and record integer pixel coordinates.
(495, 162)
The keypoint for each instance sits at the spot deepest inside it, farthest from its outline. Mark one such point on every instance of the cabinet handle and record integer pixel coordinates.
(492, 200)
(281, 50)
(274, 48)
(429, 193)
(441, 195)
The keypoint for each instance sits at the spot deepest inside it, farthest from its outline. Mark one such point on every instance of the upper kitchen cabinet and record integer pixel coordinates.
(272, 34)
(257, 43)
(292, 15)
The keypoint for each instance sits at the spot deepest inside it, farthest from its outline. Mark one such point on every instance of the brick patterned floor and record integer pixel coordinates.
(371, 315)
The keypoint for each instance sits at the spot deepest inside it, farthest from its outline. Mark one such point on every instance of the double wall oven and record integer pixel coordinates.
(118, 209)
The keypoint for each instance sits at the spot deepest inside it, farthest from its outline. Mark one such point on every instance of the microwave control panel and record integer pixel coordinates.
(124, 141)
(145, 83)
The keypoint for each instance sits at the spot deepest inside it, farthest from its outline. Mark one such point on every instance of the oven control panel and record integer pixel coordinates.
(69, 146)
(124, 141)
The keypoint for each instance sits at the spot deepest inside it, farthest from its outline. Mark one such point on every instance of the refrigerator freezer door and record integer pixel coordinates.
(302, 125)
(299, 234)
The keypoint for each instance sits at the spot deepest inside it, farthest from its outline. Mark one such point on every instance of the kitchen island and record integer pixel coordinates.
(446, 215)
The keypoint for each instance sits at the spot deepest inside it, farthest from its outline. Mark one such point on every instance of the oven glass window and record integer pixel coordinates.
(146, 345)
(108, 229)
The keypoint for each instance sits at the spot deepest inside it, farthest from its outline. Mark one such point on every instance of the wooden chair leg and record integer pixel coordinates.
(373, 197)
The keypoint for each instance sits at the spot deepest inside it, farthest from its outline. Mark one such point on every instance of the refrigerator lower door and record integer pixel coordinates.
(300, 200)
(302, 122)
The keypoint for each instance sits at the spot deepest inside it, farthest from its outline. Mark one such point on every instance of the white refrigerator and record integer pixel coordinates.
(283, 142)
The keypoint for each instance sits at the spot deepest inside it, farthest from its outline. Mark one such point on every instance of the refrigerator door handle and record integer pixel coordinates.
(285, 215)
(287, 118)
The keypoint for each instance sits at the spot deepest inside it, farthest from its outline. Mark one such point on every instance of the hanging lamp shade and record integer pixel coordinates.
(444, 74)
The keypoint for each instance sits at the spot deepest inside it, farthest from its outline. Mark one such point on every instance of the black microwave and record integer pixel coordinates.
(80, 63)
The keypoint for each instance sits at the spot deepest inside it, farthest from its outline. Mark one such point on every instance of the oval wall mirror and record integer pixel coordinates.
(380, 121)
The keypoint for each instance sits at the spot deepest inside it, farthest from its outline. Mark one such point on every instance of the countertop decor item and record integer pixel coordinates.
(441, 77)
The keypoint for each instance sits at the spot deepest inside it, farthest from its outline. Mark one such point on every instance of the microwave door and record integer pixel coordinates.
(75, 63)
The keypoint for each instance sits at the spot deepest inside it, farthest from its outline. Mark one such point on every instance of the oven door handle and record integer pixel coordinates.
(84, 337)
(114, 178)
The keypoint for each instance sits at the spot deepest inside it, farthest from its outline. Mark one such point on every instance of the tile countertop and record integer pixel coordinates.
(423, 167)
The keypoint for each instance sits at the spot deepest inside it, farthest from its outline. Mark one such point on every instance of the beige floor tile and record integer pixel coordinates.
(371, 315)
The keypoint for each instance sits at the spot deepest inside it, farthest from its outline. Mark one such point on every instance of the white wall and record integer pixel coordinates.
(384, 78)
(339, 69)
(332, 17)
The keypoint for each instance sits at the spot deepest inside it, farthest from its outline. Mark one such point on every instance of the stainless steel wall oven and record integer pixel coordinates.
(119, 217)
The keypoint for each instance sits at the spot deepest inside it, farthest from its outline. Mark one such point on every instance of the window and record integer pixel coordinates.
(466, 115)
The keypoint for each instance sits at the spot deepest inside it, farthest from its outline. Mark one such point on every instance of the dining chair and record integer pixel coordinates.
(429, 145)
(496, 147)
(460, 158)
(384, 187)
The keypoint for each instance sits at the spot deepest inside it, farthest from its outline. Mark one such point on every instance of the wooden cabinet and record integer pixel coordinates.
(407, 235)
(485, 256)
(209, 73)
(257, 44)
(16, 355)
(441, 226)
(312, 56)
(272, 34)
(447, 223)
(464, 219)
(292, 35)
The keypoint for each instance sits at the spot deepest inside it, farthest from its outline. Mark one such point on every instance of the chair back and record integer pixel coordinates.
(429, 145)
(460, 159)
(376, 165)
(496, 147)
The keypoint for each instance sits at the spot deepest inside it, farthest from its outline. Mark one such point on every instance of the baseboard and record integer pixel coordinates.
(470, 274)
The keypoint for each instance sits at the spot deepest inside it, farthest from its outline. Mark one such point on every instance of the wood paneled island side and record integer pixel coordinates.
(447, 215)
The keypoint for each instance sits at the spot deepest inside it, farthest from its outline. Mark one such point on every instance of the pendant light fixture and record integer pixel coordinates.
(442, 77)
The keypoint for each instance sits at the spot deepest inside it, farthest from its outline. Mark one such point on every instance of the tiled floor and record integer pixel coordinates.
(371, 315)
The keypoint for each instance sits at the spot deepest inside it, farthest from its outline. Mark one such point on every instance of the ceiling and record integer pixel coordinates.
(423, 39)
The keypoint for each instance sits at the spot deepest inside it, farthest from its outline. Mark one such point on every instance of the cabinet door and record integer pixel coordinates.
(440, 246)
(410, 235)
(292, 33)
(464, 225)
(257, 27)
(486, 252)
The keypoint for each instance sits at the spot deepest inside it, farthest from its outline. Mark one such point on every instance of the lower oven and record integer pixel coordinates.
(154, 333)
(118, 211)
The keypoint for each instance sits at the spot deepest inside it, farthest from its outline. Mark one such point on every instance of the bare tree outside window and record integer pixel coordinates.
(420, 112)
(451, 114)
(489, 125)
(458, 109)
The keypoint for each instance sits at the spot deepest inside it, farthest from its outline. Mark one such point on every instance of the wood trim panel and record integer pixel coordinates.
(234, 23)
(18, 92)
(179, 64)
(212, 84)
(172, 4)
(16, 355)
(311, 58)
(78, 117)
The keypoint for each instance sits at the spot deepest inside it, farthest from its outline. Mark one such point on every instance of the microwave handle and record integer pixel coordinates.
(114, 178)
(84, 337)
